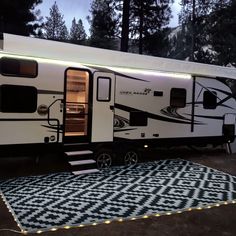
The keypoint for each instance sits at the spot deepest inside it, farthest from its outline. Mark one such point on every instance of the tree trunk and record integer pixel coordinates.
(193, 32)
(124, 46)
(141, 28)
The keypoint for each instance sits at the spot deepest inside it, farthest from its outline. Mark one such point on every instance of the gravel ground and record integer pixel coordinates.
(218, 221)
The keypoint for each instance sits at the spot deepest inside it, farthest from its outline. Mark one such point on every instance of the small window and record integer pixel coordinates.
(178, 97)
(158, 94)
(104, 89)
(138, 118)
(209, 100)
(18, 99)
(18, 67)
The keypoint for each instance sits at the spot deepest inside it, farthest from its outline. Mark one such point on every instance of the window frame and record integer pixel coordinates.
(208, 107)
(109, 94)
(15, 109)
(171, 97)
(19, 75)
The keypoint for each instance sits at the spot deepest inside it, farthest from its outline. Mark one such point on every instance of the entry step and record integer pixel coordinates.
(81, 172)
(82, 162)
(79, 153)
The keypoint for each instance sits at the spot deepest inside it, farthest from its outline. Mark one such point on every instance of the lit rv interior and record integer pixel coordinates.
(77, 88)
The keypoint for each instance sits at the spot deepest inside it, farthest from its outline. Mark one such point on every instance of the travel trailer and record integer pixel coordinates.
(94, 103)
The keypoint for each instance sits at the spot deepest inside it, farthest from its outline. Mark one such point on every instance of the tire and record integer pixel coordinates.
(131, 157)
(104, 159)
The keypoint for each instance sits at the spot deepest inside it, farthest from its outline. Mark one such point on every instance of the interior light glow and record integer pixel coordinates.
(53, 229)
(133, 218)
(157, 215)
(145, 217)
(120, 220)
(168, 213)
(81, 226)
(107, 222)
(39, 231)
(94, 224)
(145, 146)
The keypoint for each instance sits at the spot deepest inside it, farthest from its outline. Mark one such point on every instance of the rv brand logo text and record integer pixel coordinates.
(146, 91)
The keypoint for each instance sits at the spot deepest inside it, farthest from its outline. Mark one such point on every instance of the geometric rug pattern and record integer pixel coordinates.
(62, 199)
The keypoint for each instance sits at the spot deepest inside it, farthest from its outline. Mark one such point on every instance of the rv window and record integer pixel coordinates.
(18, 99)
(18, 67)
(178, 97)
(209, 100)
(104, 89)
(138, 118)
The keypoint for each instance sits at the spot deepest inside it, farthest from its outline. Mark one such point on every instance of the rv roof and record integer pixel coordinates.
(28, 46)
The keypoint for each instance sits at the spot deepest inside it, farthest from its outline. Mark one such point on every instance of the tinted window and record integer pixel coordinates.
(104, 89)
(138, 118)
(178, 97)
(209, 100)
(18, 99)
(18, 67)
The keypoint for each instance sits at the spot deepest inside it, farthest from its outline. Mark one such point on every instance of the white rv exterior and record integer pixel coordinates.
(76, 95)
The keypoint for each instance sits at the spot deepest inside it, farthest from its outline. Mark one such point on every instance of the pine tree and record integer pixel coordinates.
(147, 18)
(77, 32)
(103, 24)
(55, 27)
(223, 33)
(20, 17)
(201, 20)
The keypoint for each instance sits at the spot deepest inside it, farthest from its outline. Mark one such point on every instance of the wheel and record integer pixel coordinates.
(104, 159)
(131, 157)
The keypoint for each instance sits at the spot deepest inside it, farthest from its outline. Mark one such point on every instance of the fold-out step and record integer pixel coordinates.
(80, 172)
(78, 153)
(82, 162)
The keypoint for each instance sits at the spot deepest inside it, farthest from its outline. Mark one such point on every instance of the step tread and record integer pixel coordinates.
(80, 172)
(82, 162)
(75, 144)
(77, 153)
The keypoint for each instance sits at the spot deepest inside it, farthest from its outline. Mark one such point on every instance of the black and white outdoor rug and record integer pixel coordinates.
(48, 202)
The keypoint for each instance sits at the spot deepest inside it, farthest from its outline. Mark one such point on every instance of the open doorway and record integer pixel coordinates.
(77, 105)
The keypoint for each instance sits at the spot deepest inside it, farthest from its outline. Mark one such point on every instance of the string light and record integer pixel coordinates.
(67, 227)
(122, 220)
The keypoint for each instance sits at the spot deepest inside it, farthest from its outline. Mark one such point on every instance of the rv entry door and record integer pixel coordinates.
(103, 107)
